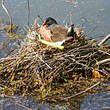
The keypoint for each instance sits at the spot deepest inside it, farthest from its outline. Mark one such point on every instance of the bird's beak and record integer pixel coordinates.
(44, 23)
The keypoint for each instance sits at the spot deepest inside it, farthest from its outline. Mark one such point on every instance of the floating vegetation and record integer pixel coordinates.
(52, 74)
(7, 27)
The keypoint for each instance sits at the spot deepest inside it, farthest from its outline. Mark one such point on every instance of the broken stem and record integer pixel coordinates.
(28, 23)
(104, 40)
(10, 17)
(71, 18)
(103, 61)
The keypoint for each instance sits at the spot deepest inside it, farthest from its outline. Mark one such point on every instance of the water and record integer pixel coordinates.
(93, 13)
(19, 103)
(96, 102)
(87, 14)
(99, 101)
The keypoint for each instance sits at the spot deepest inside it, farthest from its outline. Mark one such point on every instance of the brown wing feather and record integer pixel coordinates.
(59, 33)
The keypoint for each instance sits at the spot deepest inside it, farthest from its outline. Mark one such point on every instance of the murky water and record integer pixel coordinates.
(86, 14)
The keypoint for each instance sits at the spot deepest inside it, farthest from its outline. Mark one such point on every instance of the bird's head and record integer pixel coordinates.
(49, 21)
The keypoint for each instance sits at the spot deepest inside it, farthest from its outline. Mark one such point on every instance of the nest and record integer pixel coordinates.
(37, 69)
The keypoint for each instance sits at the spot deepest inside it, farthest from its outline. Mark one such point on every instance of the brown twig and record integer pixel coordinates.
(104, 40)
(28, 19)
(10, 17)
(65, 20)
(44, 62)
(106, 53)
(103, 61)
(83, 91)
(70, 18)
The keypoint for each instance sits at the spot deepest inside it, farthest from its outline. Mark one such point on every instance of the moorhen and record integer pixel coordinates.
(58, 32)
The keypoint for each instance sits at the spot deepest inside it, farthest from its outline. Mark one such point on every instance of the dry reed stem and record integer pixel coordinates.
(10, 17)
(104, 40)
(103, 61)
(28, 18)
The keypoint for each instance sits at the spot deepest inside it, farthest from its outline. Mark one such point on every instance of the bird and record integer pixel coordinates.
(58, 32)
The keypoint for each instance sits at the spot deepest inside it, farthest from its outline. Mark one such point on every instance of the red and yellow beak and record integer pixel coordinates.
(44, 23)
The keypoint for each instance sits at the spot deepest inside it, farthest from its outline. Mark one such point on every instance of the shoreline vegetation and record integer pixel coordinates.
(51, 74)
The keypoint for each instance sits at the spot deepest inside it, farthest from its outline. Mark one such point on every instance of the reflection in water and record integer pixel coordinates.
(99, 101)
(96, 102)
(9, 44)
(19, 103)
